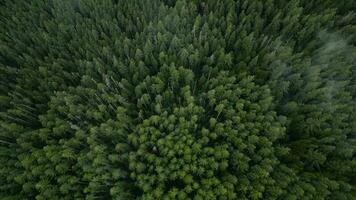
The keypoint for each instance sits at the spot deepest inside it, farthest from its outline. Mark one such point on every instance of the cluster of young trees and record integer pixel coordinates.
(178, 99)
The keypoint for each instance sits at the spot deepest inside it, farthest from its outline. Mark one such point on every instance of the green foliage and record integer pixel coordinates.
(177, 99)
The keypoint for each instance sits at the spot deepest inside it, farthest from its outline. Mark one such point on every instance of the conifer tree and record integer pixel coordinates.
(177, 99)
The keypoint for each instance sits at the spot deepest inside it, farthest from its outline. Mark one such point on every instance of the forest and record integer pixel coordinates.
(178, 99)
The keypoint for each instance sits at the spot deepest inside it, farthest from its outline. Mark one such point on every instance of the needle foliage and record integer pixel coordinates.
(166, 99)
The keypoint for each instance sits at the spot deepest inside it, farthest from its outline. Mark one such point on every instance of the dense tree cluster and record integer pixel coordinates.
(177, 99)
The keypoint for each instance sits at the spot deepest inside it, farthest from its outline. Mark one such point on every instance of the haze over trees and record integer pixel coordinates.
(201, 100)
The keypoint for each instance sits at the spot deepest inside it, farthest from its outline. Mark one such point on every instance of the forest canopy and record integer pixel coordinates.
(178, 99)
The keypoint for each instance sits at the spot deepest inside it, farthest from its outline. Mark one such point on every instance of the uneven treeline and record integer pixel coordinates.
(228, 99)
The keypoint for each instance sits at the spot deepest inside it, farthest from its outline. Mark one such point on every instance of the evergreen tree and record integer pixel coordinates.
(177, 99)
